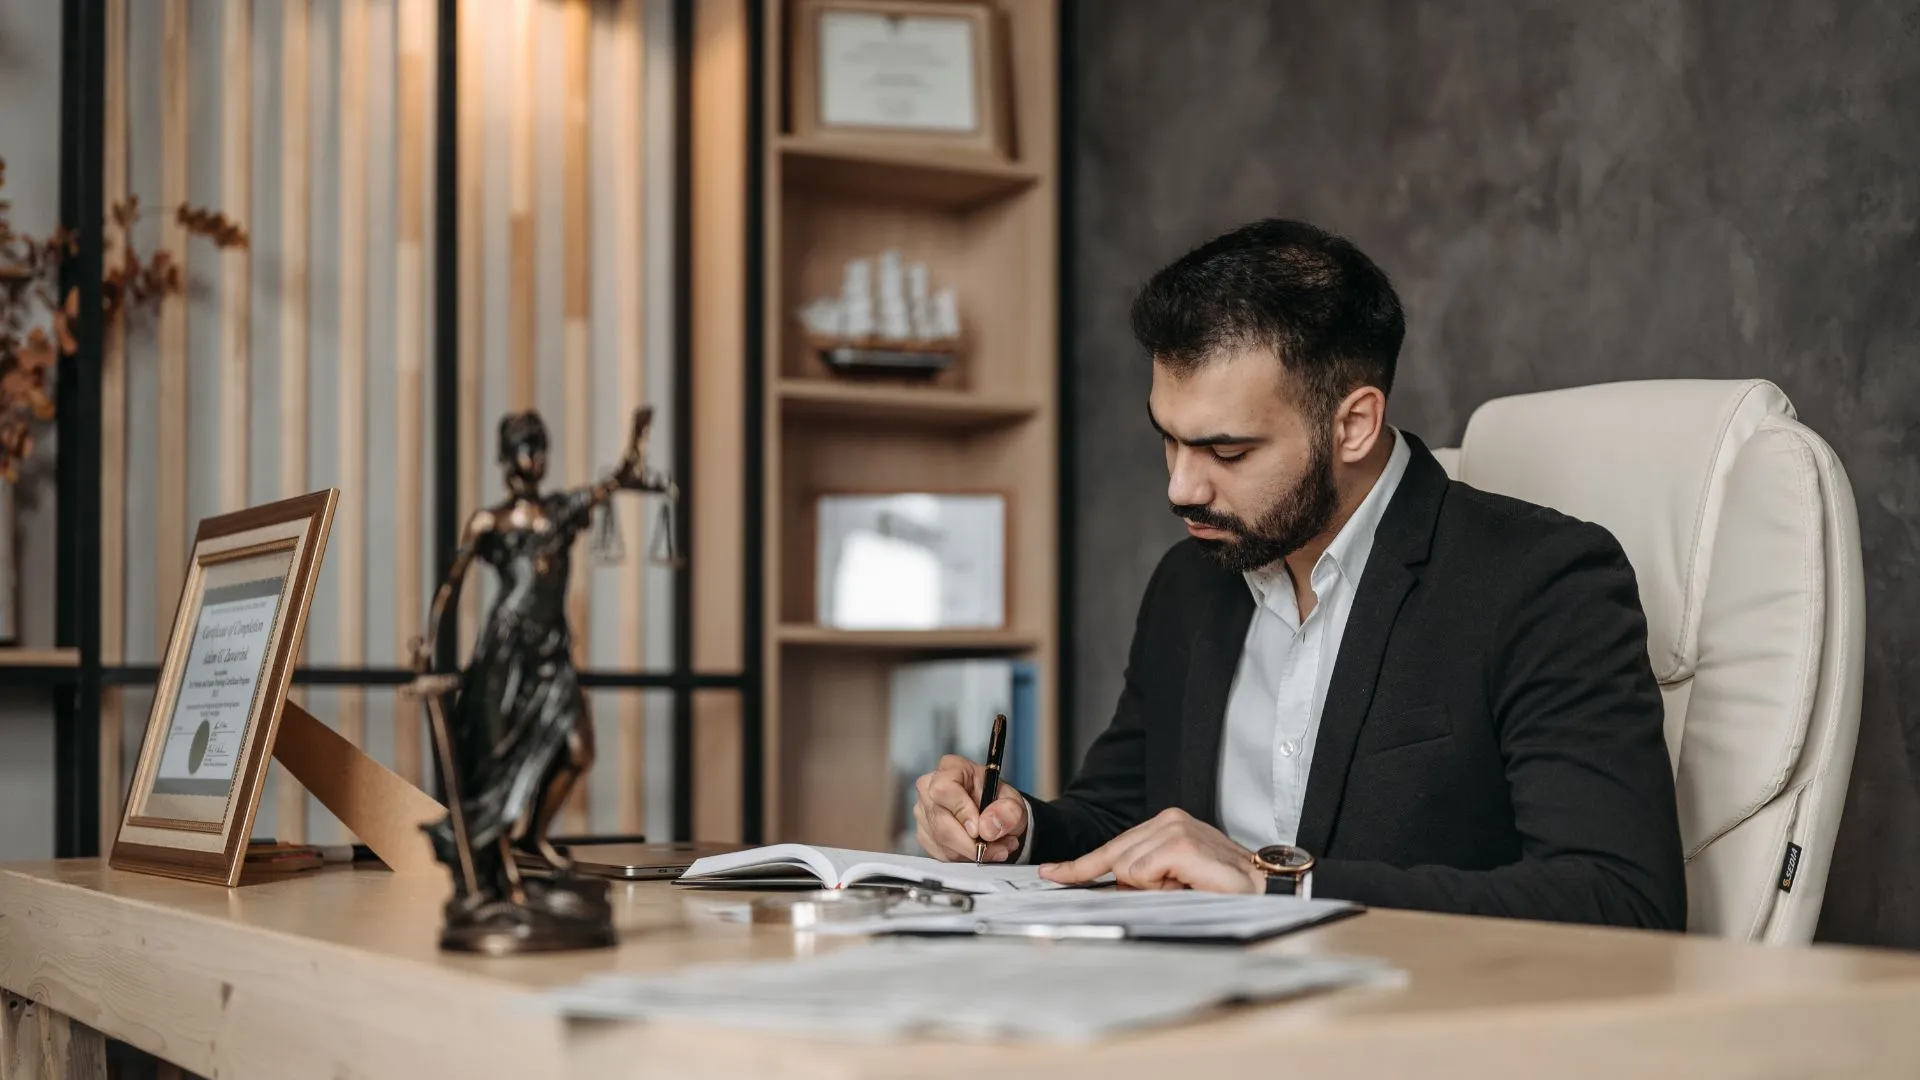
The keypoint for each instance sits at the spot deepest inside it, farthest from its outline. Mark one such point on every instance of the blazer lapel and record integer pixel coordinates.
(1400, 544)
(1383, 588)
(1221, 636)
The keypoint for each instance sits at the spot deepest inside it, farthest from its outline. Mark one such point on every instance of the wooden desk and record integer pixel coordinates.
(336, 974)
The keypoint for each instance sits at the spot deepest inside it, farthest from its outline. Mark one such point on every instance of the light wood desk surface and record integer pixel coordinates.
(336, 973)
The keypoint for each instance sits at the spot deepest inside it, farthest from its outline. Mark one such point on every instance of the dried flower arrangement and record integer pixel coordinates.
(29, 280)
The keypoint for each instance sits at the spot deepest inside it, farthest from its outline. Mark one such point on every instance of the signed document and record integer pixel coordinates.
(230, 646)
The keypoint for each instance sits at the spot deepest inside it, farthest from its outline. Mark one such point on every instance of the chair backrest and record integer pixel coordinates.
(1741, 528)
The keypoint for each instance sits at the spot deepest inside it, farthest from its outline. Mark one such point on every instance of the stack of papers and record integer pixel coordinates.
(970, 990)
(1081, 914)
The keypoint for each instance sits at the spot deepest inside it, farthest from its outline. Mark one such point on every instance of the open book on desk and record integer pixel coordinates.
(837, 868)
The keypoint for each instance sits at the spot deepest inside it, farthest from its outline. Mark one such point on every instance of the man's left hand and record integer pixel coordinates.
(1172, 851)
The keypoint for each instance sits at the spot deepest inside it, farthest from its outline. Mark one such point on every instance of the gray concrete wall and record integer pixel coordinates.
(1565, 193)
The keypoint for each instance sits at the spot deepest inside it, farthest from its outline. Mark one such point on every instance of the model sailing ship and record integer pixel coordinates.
(900, 329)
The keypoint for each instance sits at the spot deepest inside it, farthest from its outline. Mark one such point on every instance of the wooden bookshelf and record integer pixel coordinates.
(986, 226)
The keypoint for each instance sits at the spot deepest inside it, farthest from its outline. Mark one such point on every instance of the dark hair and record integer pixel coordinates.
(1325, 309)
(521, 429)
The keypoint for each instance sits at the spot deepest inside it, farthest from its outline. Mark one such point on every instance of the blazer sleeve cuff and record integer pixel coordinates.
(1026, 842)
(1049, 834)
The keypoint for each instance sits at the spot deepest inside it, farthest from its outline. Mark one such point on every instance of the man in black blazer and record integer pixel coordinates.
(1356, 678)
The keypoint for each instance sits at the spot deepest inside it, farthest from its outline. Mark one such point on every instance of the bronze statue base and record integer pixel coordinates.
(561, 913)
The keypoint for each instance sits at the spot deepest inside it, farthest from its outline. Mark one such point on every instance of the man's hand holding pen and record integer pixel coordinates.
(948, 819)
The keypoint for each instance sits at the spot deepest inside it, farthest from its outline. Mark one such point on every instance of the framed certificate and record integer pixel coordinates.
(912, 561)
(890, 69)
(223, 683)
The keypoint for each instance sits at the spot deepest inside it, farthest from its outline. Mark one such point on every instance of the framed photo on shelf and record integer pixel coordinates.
(899, 70)
(223, 681)
(912, 561)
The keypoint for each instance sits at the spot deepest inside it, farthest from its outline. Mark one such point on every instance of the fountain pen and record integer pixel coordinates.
(990, 786)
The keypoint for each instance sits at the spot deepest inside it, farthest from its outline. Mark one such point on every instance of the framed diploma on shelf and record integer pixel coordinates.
(912, 561)
(223, 683)
(923, 72)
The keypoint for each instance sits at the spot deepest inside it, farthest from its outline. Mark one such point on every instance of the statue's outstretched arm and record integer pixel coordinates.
(633, 473)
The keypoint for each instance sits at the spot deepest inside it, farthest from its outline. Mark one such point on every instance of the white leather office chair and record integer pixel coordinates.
(1741, 528)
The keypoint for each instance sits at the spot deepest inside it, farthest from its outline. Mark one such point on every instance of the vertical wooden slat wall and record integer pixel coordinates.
(472, 303)
(557, 335)
(320, 200)
(629, 287)
(113, 439)
(290, 797)
(522, 361)
(410, 353)
(236, 192)
(720, 152)
(170, 534)
(348, 546)
(576, 255)
(236, 281)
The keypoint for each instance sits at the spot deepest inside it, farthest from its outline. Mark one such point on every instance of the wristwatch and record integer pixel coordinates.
(1289, 869)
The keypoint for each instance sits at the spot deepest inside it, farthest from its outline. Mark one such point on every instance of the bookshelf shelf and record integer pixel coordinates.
(827, 637)
(867, 171)
(822, 400)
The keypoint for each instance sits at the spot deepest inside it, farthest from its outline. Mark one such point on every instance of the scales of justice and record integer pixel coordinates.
(511, 731)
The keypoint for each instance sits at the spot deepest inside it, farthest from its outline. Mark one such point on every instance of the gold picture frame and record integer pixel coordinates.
(223, 684)
(944, 105)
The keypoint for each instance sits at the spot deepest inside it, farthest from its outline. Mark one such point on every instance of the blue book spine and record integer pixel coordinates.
(1023, 770)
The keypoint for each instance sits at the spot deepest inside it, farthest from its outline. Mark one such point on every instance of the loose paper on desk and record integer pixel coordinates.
(1105, 914)
(839, 867)
(970, 990)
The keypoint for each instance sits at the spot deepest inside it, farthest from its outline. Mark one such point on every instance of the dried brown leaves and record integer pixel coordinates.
(29, 287)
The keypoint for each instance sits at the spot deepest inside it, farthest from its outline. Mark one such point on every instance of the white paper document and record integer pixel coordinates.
(840, 867)
(229, 649)
(1111, 915)
(971, 990)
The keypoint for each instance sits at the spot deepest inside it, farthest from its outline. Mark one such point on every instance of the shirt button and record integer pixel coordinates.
(1289, 748)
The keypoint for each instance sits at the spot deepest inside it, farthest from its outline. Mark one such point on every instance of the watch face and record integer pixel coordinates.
(1284, 855)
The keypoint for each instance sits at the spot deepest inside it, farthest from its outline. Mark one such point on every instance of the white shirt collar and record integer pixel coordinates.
(1347, 553)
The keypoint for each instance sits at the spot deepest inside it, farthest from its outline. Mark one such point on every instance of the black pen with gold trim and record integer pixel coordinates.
(990, 785)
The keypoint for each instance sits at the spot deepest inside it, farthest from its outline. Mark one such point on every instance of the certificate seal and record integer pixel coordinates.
(197, 751)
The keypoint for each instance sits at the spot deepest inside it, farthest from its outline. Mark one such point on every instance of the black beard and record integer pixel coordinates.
(1301, 514)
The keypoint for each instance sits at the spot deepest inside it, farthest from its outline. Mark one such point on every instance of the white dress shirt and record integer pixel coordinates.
(1280, 687)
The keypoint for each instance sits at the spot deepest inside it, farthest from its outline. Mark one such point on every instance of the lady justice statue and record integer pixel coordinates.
(512, 731)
